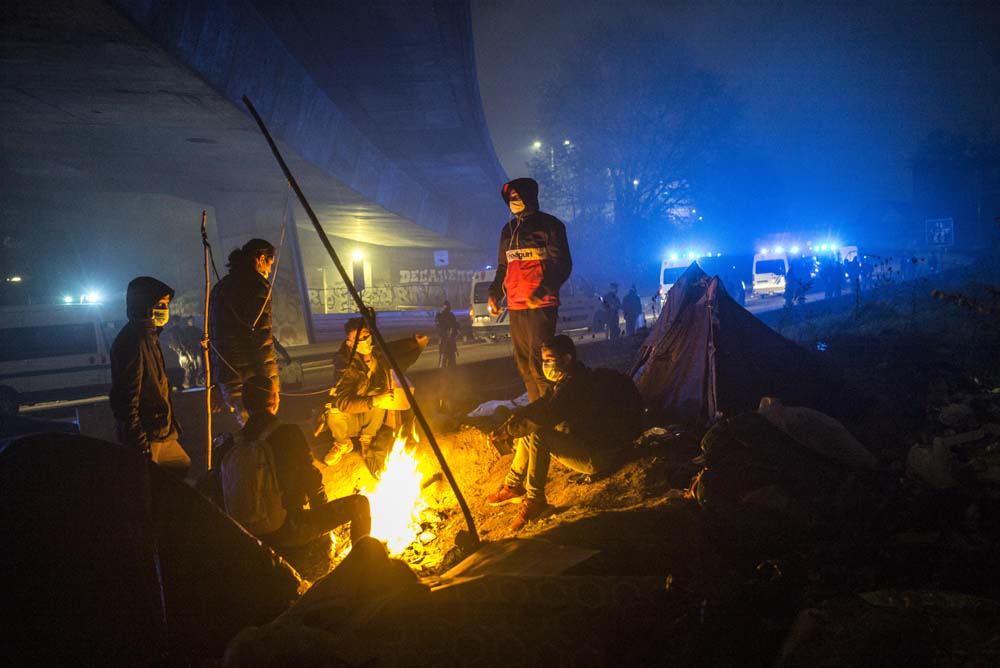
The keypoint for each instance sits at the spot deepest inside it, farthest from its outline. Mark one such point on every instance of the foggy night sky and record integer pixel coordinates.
(836, 96)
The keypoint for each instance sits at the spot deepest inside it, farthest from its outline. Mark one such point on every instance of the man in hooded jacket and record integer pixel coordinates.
(533, 262)
(576, 423)
(239, 324)
(140, 391)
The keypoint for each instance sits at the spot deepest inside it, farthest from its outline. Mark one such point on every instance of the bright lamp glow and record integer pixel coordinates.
(357, 255)
(691, 255)
(536, 145)
(795, 249)
(92, 297)
(763, 251)
(779, 249)
(14, 279)
(673, 256)
(67, 299)
(566, 142)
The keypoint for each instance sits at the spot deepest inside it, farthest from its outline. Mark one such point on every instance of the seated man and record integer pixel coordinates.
(573, 423)
(365, 396)
(299, 481)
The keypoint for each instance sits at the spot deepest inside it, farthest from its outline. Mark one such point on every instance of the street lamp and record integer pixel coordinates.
(536, 145)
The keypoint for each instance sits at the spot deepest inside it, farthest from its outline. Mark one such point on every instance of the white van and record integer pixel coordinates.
(580, 309)
(670, 270)
(58, 351)
(769, 271)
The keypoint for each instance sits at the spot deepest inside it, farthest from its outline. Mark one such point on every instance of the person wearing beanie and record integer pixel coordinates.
(239, 324)
(140, 391)
(533, 262)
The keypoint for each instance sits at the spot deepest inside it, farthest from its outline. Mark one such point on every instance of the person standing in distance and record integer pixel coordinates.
(532, 264)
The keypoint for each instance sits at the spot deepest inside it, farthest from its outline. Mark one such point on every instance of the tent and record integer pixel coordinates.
(707, 357)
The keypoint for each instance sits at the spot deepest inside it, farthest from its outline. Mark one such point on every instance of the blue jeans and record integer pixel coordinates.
(533, 453)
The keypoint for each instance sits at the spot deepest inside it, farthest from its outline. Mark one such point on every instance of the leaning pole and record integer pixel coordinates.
(370, 323)
(204, 348)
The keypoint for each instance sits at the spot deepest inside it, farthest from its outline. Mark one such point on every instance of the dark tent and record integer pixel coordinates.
(110, 561)
(707, 357)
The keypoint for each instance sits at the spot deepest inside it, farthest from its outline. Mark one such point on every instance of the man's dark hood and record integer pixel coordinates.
(526, 188)
(143, 294)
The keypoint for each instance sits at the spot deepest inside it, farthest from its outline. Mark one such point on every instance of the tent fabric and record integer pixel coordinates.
(108, 558)
(707, 357)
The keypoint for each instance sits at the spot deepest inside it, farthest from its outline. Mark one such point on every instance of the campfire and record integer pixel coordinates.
(396, 500)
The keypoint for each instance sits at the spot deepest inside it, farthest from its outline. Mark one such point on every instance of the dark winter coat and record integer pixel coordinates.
(575, 402)
(239, 327)
(140, 391)
(631, 304)
(357, 382)
(298, 478)
(533, 259)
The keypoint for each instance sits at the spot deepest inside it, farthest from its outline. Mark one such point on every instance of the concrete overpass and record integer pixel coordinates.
(122, 121)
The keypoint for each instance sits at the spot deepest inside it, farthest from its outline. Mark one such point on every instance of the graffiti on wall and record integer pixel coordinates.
(409, 294)
(435, 276)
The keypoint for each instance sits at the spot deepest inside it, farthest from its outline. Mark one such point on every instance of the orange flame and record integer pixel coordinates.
(396, 500)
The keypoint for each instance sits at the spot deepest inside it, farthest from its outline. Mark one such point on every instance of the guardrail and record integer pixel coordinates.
(330, 326)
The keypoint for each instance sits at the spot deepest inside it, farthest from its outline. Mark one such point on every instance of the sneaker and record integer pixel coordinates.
(336, 452)
(506, 495)
(531, 509)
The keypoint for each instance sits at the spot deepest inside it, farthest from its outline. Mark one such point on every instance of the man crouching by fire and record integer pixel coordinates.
(578, 423)
(366, 401)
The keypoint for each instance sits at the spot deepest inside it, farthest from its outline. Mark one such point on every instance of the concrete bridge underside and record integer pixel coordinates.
(122, 121)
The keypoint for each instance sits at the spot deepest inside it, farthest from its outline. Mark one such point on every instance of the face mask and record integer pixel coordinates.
(161, 316)
(365, 346)
(553, 372)
(516, 206)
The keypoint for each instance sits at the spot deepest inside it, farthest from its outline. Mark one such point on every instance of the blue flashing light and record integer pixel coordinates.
(691, 255)
(795, 249)
(779, 249)
(673, 256)
(763, 251)
(67, 299)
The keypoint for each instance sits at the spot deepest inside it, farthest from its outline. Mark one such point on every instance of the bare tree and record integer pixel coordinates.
(628, 126)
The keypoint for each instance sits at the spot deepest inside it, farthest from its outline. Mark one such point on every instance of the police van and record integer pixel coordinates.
(580, 308)
(57, 351)
(770, 267)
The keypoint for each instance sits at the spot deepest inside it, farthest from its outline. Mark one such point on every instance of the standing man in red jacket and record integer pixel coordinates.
(532, 264)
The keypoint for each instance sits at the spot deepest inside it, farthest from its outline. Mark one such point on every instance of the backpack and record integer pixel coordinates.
(250, 485)
(622, 400)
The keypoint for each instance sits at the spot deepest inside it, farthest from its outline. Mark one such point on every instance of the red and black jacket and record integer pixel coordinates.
(533, 259)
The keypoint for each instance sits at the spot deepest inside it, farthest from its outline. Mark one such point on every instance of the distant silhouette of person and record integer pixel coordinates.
(612, 305)
(632, 308)
(447, 330)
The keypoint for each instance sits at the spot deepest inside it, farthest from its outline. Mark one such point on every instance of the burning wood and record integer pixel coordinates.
(396, 500)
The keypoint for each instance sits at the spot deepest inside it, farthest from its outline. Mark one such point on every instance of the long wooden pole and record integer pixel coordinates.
(206, 358)
(369, 320)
